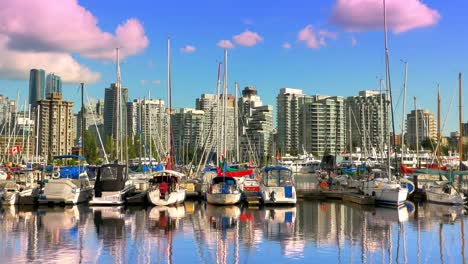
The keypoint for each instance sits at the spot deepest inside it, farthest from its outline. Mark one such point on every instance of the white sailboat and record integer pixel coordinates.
(165, 189)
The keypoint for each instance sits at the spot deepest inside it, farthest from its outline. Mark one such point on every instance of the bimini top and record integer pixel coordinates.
(110, 178)
(277, 168)
(70, 157)
(171, 172)
(226, 179)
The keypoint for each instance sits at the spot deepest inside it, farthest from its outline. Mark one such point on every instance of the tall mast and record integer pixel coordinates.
(225, 105)
(417, 131)
(438, 126)
(236, 122)
(460, 120)
(118, 119)
(350, 133)
(82, 120)
(382, 129)
(169, 99)
(218, 118)
(403, 114)
(389, 88)
(29, 134)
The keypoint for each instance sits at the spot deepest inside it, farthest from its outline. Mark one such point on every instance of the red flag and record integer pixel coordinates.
(15, 150)
(278, 156)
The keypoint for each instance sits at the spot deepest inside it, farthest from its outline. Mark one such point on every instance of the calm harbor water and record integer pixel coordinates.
(310, 232)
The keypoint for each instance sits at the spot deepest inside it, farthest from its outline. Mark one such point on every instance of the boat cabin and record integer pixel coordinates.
(277, 177)
(110, 178)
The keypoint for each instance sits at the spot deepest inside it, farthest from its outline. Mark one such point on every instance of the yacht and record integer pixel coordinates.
(65, 191)
(112, 185)
(277, 186)
(165, 188)
(385, 191)
(224, 190)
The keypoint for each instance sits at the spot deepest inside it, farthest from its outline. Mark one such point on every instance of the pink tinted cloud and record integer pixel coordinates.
(225, 44)
(247, 38)
(286, 45)
(315, 40)
(188, 49)
(402, 15)
(65, 26)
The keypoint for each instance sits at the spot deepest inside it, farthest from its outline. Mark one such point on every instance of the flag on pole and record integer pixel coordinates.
(15, 150)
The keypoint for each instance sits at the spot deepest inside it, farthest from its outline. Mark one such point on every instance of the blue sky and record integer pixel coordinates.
(436, 52)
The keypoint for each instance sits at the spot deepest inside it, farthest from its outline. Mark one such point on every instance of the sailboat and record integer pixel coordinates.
(113, 185)
(165, 188)
(380, 185)
(225, 189)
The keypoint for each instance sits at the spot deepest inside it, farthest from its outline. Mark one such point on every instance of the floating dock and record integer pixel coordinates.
(253, 199)
(358, 199)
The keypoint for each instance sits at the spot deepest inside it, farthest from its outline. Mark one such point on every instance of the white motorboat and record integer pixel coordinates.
(444, 193)
(277, 186)
(383, 190)
(224, 190)
(11, 192)
(66, 191)
(112, 185)
(165, 189)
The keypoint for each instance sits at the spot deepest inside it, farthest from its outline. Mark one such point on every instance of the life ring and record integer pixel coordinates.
(323, 185)
(56, 175)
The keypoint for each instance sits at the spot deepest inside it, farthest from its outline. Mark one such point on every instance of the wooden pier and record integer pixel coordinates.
(345, 195)
(253, 199)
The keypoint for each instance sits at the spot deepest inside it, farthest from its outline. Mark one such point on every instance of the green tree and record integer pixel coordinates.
(91, 150)
(109, 147)
(428, 144)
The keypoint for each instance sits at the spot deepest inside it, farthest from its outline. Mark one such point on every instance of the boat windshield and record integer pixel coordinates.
(278, 178)
(109, 173)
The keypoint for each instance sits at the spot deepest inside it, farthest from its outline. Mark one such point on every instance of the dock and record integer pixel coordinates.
(346, 195)
(253, 199)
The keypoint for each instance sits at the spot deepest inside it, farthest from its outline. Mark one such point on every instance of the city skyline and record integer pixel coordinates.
(315, 47)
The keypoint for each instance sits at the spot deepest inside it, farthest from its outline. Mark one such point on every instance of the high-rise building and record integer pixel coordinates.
(255, 127)
(288, 109)
(53, 84)
(366, 121)
(112, 110)
(94, 116)
(55, 126)
(36, 85)
(323, 124)
(148, 117)
(7, 110)
(426, 127)
(187, 131)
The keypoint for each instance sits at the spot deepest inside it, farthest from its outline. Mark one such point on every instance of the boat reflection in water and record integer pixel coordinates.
(196, 232)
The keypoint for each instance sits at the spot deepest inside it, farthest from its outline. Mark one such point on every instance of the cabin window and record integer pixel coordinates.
(109, 173)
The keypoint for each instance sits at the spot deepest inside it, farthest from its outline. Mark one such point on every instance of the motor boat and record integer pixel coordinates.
(224, 190)
(277, 186)
(112, 185)
(66, 191)
(383, 190)
(165, 188)
(10, 190)
(444, 193)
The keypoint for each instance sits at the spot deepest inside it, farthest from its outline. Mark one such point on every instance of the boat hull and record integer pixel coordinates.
(277, 195)
(444, 198)
(395, 197)
(113, 198)
(80, 196)
(176, 197)
(10, 198)
(223, 198)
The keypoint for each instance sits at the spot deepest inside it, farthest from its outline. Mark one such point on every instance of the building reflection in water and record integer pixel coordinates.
(202, 233)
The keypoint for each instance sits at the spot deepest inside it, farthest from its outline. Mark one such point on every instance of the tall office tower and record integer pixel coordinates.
(288, 109)
(148, 118)
(188, 128)
(323, 124)
(247, 103)
(55, 126)
(36, 85)
(366, 122)
(111, 111)
(7, 110)
(427, 127)
(208, 104)
(53, 84)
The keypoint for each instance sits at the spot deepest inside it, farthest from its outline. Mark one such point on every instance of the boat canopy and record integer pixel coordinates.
(278, 168)
(171, 172)
(278, 177)
(110, 178)
(78, 157)
(227, 180)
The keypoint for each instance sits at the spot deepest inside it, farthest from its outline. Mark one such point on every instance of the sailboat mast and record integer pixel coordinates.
(118, 110)
(403, 114)
(169, 99)
(218, 111)
(389, 88)
(417, 131)
(225, 105)
(438, 126)
(82, 120)
(460, 120)
(236, 122)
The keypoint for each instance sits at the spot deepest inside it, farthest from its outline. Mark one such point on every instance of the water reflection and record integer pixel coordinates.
(200, 233)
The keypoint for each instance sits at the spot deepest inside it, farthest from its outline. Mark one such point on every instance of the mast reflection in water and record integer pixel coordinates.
(200, 233)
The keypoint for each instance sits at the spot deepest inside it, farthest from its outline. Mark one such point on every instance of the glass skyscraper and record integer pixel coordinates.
(54, 84)
(36, 85)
